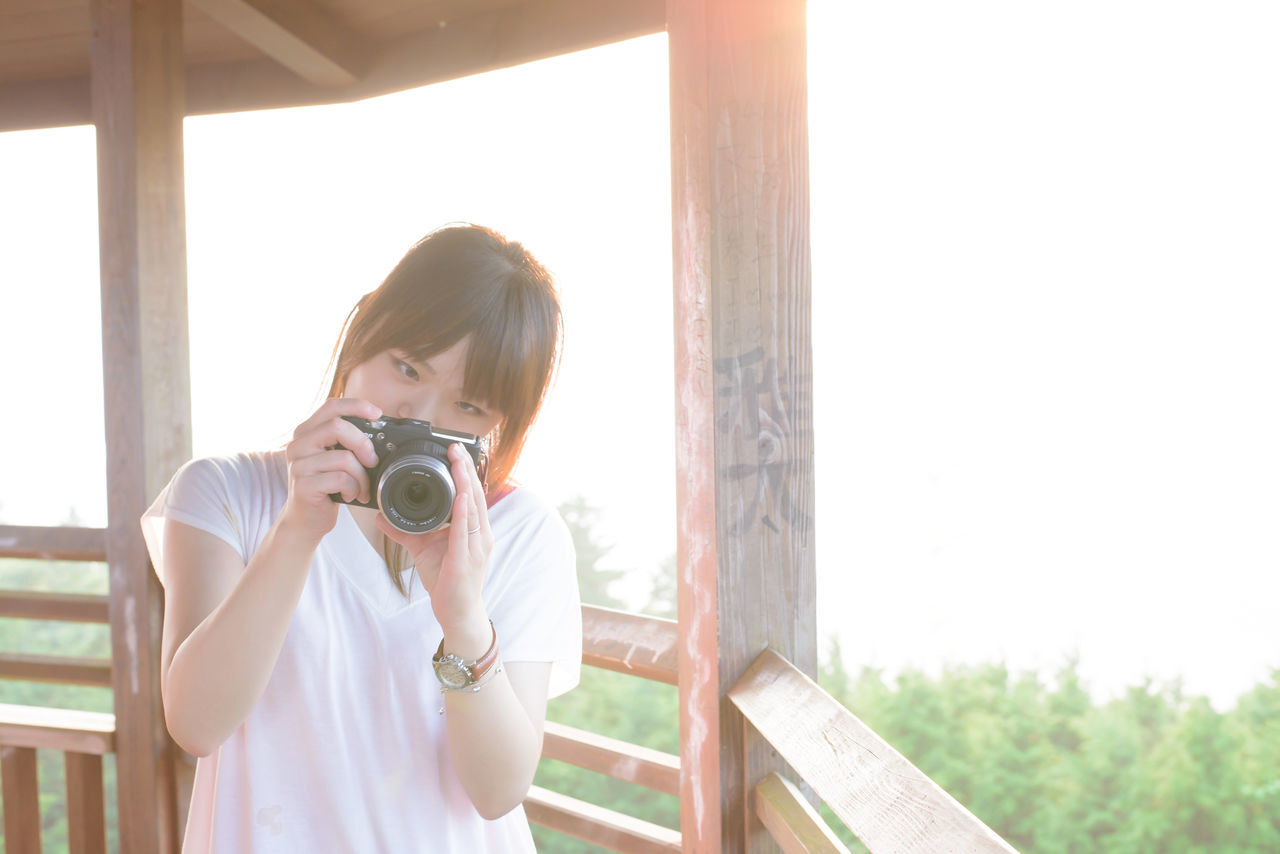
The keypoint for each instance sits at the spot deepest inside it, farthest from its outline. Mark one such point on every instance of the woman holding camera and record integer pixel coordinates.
(347, 686)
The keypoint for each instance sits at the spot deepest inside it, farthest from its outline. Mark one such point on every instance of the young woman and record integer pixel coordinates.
(307, 644)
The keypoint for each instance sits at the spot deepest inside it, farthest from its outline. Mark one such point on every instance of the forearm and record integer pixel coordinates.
(493, 745)
(493, 742)
(222, 668)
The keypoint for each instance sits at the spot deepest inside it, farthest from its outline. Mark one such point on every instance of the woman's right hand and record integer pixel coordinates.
(318, 467)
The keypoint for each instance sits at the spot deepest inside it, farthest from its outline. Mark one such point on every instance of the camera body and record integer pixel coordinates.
(412, 484)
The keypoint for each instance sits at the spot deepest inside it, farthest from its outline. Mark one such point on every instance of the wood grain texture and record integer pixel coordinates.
(57, 729)
(597, 825)
(86, 812)
(886, 801)
(792, 822)
(53, 542)
(68, 607)
(636, 644)
(18, 788)
(744, 446)
(621, 760)
(137, 96)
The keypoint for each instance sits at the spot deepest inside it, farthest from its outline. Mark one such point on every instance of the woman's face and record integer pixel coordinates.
(429, 390)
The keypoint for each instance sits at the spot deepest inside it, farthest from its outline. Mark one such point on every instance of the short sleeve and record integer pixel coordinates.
(532, 592)
(201, 495)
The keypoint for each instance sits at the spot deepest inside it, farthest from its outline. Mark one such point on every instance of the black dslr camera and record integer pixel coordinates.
(411, 484)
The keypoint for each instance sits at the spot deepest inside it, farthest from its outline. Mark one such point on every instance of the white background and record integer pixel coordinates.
(1046, 290)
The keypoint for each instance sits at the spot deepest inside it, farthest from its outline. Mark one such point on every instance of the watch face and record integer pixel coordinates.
(452, 673)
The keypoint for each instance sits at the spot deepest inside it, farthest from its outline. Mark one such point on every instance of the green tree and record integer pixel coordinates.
(583, 519)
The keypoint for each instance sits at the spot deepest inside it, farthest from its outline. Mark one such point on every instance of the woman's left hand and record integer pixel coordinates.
(451, 560)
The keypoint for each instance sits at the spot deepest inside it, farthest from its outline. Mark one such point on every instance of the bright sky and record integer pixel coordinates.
(1045, 284)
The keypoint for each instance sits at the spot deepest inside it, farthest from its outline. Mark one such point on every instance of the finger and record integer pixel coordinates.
(473, 517)
(336, 407)
(465, 470)
(323, 484)
(337, 460)
(320, 436)
(458, 536)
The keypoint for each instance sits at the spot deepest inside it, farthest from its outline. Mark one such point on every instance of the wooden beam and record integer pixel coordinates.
(26, 104)
(137, 94)
(55, 669)
(301, 36)
(58, 729)
(617, 759)
(636, 644)
(744, 439)
(792, 822)
(472, 45)
(509, 36)
(69, 607)
(53, 542)
(598, 825)
(886, 801)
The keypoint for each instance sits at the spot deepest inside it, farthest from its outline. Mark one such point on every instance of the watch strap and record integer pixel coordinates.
(478, 668)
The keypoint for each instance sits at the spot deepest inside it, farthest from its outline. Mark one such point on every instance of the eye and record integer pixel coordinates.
(470, 408)
(406, 370)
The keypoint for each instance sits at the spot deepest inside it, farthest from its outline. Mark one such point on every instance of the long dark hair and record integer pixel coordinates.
(458, 281)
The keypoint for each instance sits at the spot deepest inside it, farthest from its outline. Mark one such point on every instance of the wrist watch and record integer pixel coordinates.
(455, 674)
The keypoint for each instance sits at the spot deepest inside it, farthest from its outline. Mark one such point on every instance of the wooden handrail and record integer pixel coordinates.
(886, 801)
(598, 825)
(53, 542)
(59, 670)
(618, 759)
(630, 643)
(57, 729)
(791, 820)
(68, 607)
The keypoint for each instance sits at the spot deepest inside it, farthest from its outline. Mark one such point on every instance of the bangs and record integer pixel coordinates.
(510, 359)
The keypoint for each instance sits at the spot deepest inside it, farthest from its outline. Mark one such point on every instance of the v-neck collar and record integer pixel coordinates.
(363, 566)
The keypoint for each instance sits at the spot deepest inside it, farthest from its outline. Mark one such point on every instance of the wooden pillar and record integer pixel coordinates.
(744, 436)
(137, 92)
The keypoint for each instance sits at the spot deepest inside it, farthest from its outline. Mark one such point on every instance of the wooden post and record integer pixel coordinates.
(137, 93)
(744, 433)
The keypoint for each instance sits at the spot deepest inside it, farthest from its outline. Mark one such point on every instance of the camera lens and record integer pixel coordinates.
(416, 493)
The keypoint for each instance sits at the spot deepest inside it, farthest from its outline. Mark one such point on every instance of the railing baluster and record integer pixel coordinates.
(21, 800)
(85, 737)
(86, 810)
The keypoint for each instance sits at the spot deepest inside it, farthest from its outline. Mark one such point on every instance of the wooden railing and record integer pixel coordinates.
(83, 737)
(888, 803)
(881, 797)
(644, 647)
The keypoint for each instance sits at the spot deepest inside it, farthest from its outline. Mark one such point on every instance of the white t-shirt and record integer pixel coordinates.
(346, 749)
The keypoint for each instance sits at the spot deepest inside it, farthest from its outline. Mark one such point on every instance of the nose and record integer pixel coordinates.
(423, 409)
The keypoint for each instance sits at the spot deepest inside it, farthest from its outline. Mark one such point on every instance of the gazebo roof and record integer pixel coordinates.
(253, 54)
